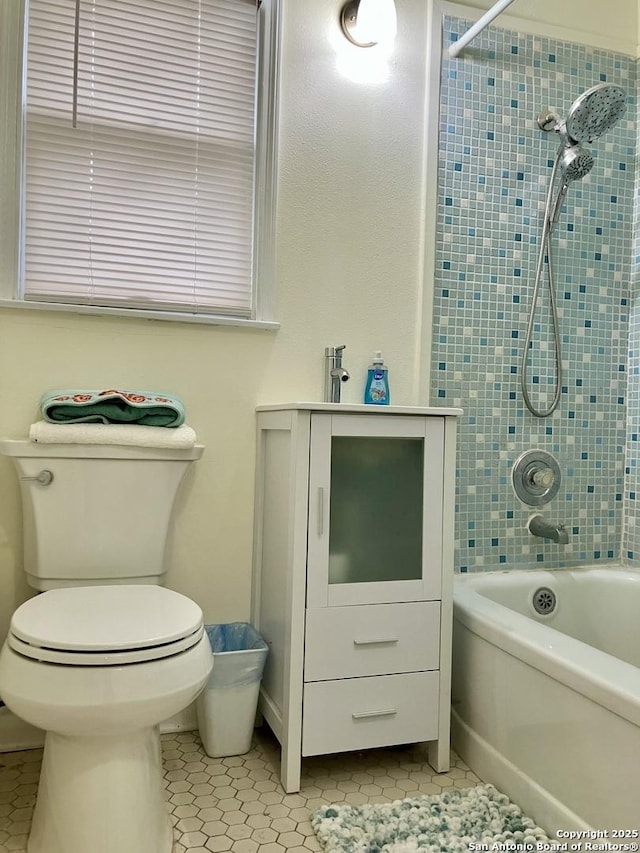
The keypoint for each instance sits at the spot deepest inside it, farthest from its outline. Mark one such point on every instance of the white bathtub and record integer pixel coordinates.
(547, 707)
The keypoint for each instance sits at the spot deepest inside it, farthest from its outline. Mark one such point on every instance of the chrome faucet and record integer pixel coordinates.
(539, 526)
(334, 373)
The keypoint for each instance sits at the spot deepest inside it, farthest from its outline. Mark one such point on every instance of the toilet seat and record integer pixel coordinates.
(105, 625)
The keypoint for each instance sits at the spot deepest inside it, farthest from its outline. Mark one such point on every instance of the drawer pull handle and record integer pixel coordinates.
(363, 715)
(376, 641)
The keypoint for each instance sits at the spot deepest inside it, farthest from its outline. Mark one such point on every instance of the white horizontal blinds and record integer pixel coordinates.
(147, 202)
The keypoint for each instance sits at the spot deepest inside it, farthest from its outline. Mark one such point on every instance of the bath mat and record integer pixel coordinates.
(449, 822)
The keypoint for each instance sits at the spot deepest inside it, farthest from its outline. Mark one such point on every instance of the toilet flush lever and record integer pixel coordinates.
(45, 477)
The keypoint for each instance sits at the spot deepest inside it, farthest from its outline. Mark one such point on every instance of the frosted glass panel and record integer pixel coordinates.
(375, 527)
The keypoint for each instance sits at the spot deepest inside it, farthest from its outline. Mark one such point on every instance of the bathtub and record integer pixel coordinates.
(547, 706)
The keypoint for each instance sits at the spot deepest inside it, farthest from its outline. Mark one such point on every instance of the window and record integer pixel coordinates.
(139, 155)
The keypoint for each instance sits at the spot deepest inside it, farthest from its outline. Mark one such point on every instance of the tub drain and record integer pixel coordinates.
(544, 600)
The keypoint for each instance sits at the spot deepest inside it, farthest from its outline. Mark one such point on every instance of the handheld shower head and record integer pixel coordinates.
(575, 163)
(595, 111)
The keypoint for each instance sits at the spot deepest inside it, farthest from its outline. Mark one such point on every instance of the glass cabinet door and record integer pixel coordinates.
(375, 496)
(375, 509)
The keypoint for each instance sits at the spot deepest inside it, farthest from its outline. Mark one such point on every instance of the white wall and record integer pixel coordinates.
(350, 253)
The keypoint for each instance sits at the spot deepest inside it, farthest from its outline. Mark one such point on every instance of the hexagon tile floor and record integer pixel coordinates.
(237, 804)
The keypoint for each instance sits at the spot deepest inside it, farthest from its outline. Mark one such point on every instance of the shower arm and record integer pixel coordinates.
(551, 122)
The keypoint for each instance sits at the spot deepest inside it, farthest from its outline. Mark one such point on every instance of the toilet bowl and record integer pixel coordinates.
(98, 668)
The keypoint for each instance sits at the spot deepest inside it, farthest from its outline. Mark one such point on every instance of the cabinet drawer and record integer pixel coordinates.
(374, 639)
(359, 713)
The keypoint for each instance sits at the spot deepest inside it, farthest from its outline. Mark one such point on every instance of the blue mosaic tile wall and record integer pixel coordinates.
(494, 168)
(631, 530)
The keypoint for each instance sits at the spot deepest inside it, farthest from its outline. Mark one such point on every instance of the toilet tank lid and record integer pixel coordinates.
(26, 449)
(106, 618)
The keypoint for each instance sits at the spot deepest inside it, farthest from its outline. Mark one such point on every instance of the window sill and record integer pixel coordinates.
(143, 314)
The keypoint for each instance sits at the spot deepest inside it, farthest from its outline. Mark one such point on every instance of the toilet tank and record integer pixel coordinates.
(104, 517)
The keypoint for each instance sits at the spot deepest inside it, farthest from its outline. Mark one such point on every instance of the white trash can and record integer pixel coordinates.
(227, 705)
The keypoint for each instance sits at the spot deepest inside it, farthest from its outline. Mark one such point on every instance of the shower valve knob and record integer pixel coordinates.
(543, 478)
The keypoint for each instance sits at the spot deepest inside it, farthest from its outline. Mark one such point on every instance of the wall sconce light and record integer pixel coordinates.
(368, 22)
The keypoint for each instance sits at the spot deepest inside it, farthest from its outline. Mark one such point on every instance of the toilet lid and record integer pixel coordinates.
(102, 625)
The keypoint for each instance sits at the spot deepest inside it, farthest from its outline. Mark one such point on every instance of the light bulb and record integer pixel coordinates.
(369, 22)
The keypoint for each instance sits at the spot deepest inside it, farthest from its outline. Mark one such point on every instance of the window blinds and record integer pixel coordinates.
(147, 202)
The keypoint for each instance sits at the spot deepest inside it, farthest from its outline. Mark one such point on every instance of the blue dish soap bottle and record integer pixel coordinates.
(376, 390)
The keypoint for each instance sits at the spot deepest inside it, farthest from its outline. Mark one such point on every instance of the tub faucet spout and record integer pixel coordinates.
(539, 526)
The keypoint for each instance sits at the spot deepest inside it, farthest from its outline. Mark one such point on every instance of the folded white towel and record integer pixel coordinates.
(128, 434)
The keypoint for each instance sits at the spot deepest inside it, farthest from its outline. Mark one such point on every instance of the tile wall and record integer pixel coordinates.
(494, 169)
(631, 523)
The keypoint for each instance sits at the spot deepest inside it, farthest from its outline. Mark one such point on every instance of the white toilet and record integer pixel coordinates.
(105, 653)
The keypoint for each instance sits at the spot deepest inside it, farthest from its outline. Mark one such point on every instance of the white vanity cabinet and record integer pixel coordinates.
(353, 577)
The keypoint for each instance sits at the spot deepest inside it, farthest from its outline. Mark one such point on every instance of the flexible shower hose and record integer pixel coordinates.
(545, 248)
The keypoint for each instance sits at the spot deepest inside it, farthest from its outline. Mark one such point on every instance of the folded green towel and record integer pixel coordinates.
(147, 408)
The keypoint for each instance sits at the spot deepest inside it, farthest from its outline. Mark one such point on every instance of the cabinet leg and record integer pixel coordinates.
(290, 767)
(438, 755)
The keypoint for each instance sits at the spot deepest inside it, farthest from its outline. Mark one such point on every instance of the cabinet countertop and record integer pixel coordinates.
(362, 409)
